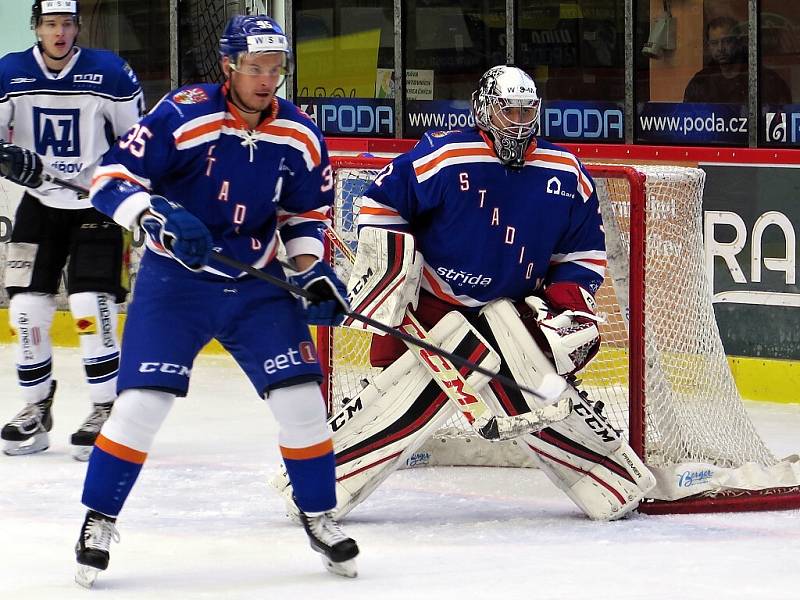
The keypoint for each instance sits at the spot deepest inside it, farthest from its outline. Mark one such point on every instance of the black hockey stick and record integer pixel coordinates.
(498, 427)
(65, 184)
(454, 358)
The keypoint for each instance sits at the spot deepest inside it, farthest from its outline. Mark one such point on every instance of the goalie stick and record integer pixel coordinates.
(469, 402)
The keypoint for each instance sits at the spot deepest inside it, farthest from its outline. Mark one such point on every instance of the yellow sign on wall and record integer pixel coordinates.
(343, 66)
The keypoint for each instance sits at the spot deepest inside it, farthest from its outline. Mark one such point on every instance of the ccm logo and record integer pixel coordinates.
(169, 368)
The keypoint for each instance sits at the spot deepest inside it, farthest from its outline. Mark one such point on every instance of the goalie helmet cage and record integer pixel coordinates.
(664, 381)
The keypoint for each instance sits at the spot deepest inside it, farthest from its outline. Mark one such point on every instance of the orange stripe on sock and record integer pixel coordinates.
(314, 451)
(120, 451)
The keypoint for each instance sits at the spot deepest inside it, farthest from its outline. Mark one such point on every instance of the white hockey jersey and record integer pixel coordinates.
(70, 118)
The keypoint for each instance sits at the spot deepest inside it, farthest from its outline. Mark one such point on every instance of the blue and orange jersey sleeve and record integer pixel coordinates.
(306, 180)
(396, 198)
(134, 165)
(580, 255)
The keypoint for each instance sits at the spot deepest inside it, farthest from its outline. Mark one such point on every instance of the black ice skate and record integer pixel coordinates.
(91, 551)
(83, 440)
(27, 432)
(326, 537)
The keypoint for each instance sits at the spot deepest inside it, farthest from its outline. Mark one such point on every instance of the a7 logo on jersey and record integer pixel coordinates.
(56, 131)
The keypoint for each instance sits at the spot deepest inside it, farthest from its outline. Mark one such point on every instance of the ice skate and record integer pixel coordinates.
(326, 537)
(91, 551)
(83, 440)
(27, 433)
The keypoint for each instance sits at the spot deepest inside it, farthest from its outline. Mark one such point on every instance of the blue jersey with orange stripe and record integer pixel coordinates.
(245, 185)
(487, 231)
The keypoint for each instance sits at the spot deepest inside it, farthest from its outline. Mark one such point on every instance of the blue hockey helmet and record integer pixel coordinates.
(250, 34)
(54, 7)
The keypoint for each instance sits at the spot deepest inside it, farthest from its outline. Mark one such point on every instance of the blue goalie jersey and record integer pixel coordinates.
(192, 148)
(487, 231)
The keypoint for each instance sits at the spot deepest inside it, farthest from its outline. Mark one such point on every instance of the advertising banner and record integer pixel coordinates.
(691, 123)
(352, 117)
(583, 121)
(559, 121)
(780, 126)
(750, 218)
(422, 115)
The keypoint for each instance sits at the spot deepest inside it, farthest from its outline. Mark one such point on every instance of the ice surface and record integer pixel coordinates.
(202, 522)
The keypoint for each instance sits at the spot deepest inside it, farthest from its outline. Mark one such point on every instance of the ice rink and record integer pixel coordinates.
(202, 522)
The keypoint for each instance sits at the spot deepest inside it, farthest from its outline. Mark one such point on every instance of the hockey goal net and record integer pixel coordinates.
(661, 374)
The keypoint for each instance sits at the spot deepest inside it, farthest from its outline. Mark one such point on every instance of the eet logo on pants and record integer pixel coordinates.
(283, 361)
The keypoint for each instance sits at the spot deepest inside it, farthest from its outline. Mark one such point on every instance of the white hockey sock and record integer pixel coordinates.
(31, 316)
(300, 412)
(137, 417)
(95, 318)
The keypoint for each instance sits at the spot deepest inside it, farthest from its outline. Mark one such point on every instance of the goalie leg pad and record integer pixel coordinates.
(582, 454)
(385, 278)
(588, 460)
(378, 430)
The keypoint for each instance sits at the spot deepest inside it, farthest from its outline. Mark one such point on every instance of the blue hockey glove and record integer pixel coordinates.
(179, 232)
(20, 165)
(330, 304)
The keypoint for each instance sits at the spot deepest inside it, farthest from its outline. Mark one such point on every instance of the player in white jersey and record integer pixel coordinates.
(507, 251)
(60, 108)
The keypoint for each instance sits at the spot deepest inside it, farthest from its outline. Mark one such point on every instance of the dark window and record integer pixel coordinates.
(137, 30)
(345, 61)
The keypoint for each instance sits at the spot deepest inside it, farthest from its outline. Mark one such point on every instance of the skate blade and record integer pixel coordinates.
(346, 568)
(33, 445)
(81, 453)
(86, 576)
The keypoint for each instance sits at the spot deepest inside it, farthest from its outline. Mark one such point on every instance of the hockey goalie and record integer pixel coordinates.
(488, 243)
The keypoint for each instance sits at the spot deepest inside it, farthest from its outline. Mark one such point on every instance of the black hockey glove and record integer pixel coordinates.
(178, 231)
(20, 165)
(330, 304)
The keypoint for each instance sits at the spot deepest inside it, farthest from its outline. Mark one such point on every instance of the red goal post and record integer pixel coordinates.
(665, 382)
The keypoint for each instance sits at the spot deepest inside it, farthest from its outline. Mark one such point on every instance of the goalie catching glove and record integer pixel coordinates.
(329, 304)
(567, 320)
(182, 235)
(20, 165)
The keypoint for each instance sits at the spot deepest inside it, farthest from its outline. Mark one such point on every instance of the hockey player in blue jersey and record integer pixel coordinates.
(508, 248)
(62, 102)
(235, 169)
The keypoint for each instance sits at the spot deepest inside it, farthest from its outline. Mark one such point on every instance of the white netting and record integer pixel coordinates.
(693, 417)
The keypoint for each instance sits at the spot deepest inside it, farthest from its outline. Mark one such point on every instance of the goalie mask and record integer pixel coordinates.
(255, 34)
(506, 106)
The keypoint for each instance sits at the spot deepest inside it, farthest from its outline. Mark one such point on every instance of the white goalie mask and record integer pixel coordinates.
(506, 106)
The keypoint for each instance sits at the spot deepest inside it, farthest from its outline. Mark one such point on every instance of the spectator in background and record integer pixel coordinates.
(726, 78)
